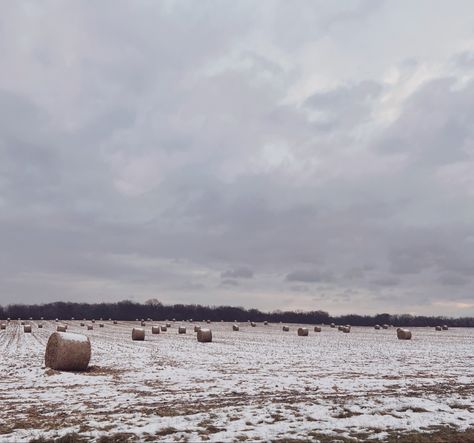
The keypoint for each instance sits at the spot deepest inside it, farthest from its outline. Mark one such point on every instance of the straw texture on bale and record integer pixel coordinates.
(204, 335)
(286, 328)
(196, 328)
(3, 326)
(90, 327)
(138, 334)
(155, 329)
(164, 329)
(438, 328)
(317, 329)
(61, 328)
(27, 328)
(403, 334)
(235, 327)
(303, 332)
(68, 352)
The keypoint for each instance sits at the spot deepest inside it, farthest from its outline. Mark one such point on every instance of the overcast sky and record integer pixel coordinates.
(270, 154)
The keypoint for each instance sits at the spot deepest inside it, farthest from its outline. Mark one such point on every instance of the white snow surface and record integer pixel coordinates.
(256, 384)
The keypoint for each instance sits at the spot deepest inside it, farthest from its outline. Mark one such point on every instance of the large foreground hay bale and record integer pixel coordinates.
(403, 334)
(286, 328)
(182, 330)
(27, 328)
(204, 335)
(66, 351)
(303, 332)
(317, 329)
(61, 328)
(138, 334)
(155, 329)
(235, 327)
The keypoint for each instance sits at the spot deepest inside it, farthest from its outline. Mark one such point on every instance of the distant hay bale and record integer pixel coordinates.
(317, 329)
(115, 322)
(101, 325)
(142, 323)
(168, 325)
(253, 324)
(340, 327)
(138, 334)
(265, 323)
(346, 329)
(235, 327)
(303, 332)
(403, 334)
(164, 329)
(90, 327)
(377, 327)
(40, 326)
(155, 329)
(385, 326)
(204, 335)
(66, 351)
(61, 328)
(22, 323)
(93, 321)
(72, 318)
(438, 328)
(81, 324)
(208, 321)
(3, 326)
(286, 328)
(41, 318)
(332, 325)
(56, 320)
(182, 330)
(27, 328)
(197, 328)
(445, 327)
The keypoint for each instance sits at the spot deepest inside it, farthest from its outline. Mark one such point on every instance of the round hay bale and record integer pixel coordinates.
(27, 328)
(403, 334)
(164, 329)
(155, 329)
(332, 325)
(168, 325)
(61, 328)
(90, 327)
(235, 327)
(66, 351)
(3, 326)
(339, 328)
(101, 325)
(182, 330)
(142, 324)
(265, 323)
(40, 326)
(377, 327)
(208, 322)
(41, 318)
(317, 329)
(138, 334)
(56, 320)
(115, 322)
(384, 326)
(197, 328)
(346, 329)
(286, 328)
(22, 323)
(253, 324)
(438, 328)
(445, 327)
(93, 321)
(303, 332)
(204, 335)
(82, 323)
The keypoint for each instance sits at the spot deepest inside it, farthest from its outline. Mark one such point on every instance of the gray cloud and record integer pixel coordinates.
(154, 159)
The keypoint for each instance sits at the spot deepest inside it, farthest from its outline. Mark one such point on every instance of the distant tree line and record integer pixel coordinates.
(154, 309)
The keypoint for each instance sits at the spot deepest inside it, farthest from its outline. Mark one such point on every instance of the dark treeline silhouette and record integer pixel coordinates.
(128, 310)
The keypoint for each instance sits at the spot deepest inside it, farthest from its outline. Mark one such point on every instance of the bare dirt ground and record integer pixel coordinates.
(255, 384)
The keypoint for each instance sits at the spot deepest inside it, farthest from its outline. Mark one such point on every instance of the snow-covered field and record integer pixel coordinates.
(257, 383)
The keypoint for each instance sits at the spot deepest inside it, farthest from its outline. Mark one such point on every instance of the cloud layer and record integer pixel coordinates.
(277, 155)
